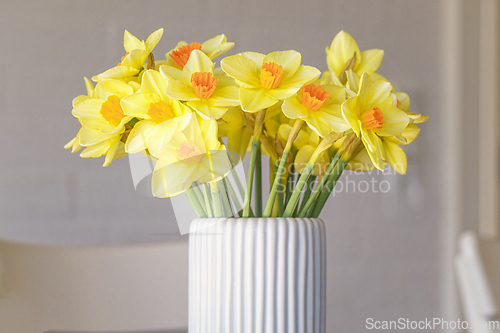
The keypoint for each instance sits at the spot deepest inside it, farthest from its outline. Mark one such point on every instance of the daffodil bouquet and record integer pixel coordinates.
(196, 122)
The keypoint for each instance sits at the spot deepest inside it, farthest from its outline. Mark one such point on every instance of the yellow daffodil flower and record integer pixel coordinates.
(266, 79)
(344, 48)
(207, 93)
(193, 154)
(74, 144)
(319, 106)
(103, 111)
(303, 156)
(160, 116)
(394, 156)
(98, 144)
(372, 115)
(308, 141)
(213, 48)
(104, 125)
(236, 130)
(133, 61)
(360, 161)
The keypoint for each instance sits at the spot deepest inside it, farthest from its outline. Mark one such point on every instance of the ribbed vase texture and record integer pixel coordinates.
(257, 275)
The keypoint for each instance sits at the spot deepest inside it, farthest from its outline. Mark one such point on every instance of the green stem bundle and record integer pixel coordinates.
(278, 182)
(259, 121)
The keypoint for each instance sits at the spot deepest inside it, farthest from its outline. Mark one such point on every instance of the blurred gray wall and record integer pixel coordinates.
(386, 252)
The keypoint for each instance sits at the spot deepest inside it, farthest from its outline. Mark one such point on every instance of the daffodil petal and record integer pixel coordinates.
(153, 82)
(337, 94)
(110, 155)
(350, 113)
(137, 139)
(365, 92)
(410, 133)
(97, 150)
(79, 99)
(117, 72)
(370, 60)
(283, 93)
(395, 121)
(373, 143)
(256, 57)
(159, 135)
(89, 137)
(137, 105)
(173, 74)
(130, 42)
(395, 157)
(114, 128)
(302, 157)
(198, 62)
(376, 159)
(206, 110)
(181, 91)
(209, 45)
(114, 87)
(323, 123)
(242, 69)
(170, 180)
(404, 99)
(361, 162)
(342, 48)
(72, 142)
(381, 93)
(135, 59)
(89, 110)
(289, 60)
(89, 87)
(303, 75)
(225, 96)
(253, 100)
(238, 139)
(293, 109)
(220, 50)
(153, 39)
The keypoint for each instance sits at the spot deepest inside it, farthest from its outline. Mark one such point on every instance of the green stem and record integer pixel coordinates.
(258, 183)
(325, 193)
(277, 183)
(228, 212)
(215, 189)
(319, 186)
(251, 169)
(311, 209)
(281, 168)
(199, 195)
(257, 130)
(307, 192)
(289, 184)
(281, 207)
(193, 200)
(237, 180)
(208, 203)
(290, 208)
(232, 194)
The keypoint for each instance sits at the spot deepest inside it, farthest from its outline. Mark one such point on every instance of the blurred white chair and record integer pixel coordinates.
(93, 289)
(478, 278)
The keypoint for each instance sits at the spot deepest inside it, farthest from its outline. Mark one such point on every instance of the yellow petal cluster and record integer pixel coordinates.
(177, 110)
(132, 63)
(266, 79)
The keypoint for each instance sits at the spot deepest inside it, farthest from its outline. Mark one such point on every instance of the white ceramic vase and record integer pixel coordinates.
(257, 275)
